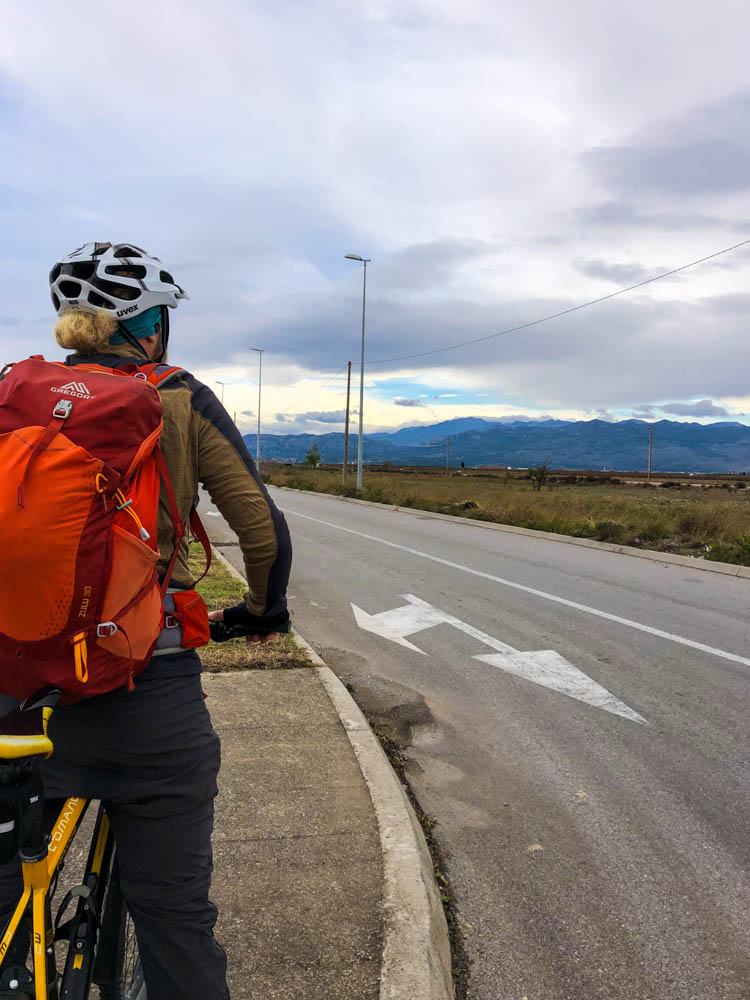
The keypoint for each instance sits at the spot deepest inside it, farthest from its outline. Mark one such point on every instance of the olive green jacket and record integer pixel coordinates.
(202, 446)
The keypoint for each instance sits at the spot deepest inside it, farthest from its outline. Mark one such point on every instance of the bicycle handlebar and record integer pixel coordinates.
(221, 632)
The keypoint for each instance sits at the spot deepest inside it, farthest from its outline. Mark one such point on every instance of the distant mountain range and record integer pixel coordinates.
(583, 444)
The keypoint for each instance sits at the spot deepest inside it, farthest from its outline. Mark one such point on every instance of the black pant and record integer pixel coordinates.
(152, 757)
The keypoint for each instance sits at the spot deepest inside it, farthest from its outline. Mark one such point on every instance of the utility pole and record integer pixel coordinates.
(346, 426)
(447, 456)
(650, 440)
(260, 377)
(650, 448)
(364, 261)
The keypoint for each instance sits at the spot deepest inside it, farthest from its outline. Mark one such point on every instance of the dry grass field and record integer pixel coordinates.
(709, 519)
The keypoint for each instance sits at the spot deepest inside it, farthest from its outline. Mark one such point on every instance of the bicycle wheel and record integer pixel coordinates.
(129, 984)
(118, 970)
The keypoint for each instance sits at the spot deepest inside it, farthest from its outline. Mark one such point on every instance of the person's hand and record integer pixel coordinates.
(218, 616)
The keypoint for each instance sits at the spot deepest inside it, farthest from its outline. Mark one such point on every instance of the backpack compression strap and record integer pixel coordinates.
(59, 414)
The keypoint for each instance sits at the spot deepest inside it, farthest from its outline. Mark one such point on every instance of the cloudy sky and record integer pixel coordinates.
(498, 161)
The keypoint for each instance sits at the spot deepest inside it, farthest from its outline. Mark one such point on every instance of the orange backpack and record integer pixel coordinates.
(81, 607)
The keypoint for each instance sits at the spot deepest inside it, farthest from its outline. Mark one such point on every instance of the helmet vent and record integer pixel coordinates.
(166, 277)
(119, 291)
(55, 273)
(128, 251)
(84, 270)
(70, 289)
(101, 303)
(133, 271)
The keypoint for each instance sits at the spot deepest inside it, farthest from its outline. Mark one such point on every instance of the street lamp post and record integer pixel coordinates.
(222, 390)
(260, 373)
(365, 261)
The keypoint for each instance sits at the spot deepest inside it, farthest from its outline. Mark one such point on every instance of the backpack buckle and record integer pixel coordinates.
(62, 409)
(170, 621)
(105, 630)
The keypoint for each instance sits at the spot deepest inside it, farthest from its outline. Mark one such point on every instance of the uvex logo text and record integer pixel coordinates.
(76, 389)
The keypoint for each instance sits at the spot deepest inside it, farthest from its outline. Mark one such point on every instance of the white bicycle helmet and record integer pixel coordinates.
(118, 277)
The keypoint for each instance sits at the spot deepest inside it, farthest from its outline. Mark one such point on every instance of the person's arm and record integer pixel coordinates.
(227, 470)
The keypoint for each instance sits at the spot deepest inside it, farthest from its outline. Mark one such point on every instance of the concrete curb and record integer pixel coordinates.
(687, 562)
(416, 948)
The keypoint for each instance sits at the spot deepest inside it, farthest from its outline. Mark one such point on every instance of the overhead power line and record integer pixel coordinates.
(562, 312)
(317, 389)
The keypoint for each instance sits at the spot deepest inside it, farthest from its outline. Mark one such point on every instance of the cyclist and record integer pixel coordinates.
(151, 755)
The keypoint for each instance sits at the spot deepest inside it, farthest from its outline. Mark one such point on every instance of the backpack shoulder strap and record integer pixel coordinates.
(157, 375)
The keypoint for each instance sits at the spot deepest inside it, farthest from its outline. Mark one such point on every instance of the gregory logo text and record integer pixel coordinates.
(76, 389)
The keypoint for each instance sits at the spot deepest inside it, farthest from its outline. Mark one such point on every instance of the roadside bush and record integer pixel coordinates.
(345, 490)
(296, 482)
(738, 554)
(609, 531)
(655, 529)
(703, 523)
(376, 495)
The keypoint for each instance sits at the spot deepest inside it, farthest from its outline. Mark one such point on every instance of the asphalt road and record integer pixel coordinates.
(591, 854)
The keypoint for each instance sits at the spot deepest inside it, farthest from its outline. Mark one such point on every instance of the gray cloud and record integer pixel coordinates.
(401, 401)
(323, 417)
(701, 408)
(625, 213)
(9, 321)
(248, 413)
(704, 151)
(620, 274)
(430, 265)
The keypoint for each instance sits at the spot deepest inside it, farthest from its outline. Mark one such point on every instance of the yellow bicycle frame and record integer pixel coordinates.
(37, 877)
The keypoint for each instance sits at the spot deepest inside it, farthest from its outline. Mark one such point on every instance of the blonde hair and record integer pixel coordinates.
(84, 330)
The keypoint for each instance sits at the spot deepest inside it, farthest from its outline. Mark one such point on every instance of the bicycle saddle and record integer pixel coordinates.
(23, 732)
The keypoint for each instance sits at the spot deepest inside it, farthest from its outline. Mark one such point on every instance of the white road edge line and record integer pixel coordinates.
(530, 590)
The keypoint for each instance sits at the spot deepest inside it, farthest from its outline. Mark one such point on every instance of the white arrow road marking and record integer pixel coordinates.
(723, 653)
(551, 670)
(544, 667)
(414, 617)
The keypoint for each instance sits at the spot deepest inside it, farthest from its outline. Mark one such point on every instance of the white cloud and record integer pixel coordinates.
(487, 157)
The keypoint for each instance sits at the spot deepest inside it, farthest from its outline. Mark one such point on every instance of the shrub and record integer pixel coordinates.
(375, 495)
(701, 523)
(655, 529)
(345, 490)
(609, 531)
(538, 476)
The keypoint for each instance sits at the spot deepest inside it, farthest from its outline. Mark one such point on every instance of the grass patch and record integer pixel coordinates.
(707, 520)
(220, 589)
